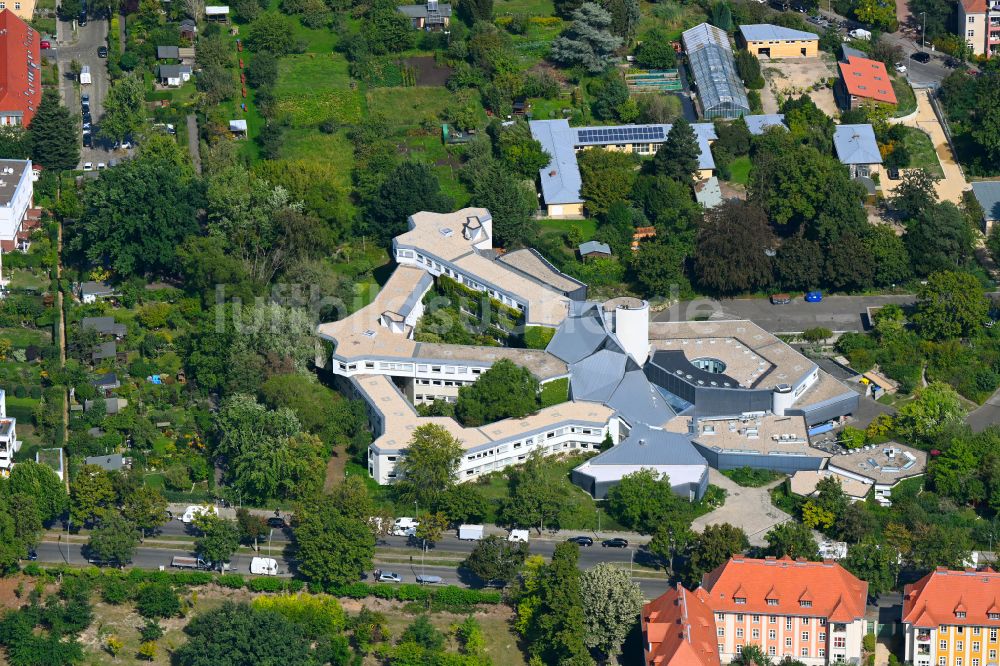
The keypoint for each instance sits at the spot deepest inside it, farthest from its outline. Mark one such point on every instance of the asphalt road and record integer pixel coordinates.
(838, 313)
(153, 558)
(81, 45)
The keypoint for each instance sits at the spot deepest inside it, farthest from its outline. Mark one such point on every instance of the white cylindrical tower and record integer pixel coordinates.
(781, 399)
(629, 319)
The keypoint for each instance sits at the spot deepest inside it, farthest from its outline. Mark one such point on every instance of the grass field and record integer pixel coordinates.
(409, 107)
(906, 101)
(740, 170)
(921, 150)
(587, 227)
(312, 88)
(25, 337)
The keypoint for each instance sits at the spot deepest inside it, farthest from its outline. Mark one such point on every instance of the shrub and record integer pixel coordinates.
(148, 650)
(115, 591)
(157, 600)
(868, 642)
(266, 585)
(538, 337)
(232, 581)
(20, 391)
(151, 631)
(817, 334)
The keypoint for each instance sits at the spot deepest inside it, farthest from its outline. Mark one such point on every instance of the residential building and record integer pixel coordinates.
(594, 250)
(188, 29)
(560, 178)
(23, 9)
(678, 629)
(218, 13)
(720, 90)
(857, 149)
(112, 463)
(9, 444)
(104, 352)
(979, 25)
(987, 193)
(104, 326)
(864, 81)
(174, 75)
(168, 53)
(20, 70)
(776, 41)
(429, 16)
(16, 197)
(758, 124)
(92, 291)
(952, 618)
(813, 612)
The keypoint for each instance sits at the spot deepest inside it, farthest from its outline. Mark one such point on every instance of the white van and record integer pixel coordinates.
(264, 566)
(518, 535)
(470, 532)
(193, 511)
(405, 526)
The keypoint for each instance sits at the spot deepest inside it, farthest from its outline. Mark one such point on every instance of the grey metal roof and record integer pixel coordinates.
(848, 51)
(110, 463)
(856, 144)
(757, 124)
(560, 178)
(708, 192)
(579, 335)
(650, 446)
(988, 195)
(168, 52)
(591, 247)
(174, 71)
(711, 58)
(108, 379)
(764, 32)
(420, 11)
(96, 288)
(103, 325)
(637, 401)
(597, 376)
(105, 350)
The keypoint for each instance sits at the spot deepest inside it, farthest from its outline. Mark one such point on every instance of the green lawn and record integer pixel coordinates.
(587, 227)
(906, 101)
(921, 149)
(333, 149)
(313, 88)
(409, 107)
(740, 170)
(530, 7)
(671, 16)
(25, 337)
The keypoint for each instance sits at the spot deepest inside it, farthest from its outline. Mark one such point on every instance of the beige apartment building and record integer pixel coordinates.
(979, 24)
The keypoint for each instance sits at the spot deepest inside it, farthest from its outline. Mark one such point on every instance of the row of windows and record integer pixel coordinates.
(960, 646)
(773, 619)
(440, 382)
(960, 629)
(803, 603)
(772, 634)
(773, 651)
(490, 466)
(943, 661)
(3, 6)
(431, 398)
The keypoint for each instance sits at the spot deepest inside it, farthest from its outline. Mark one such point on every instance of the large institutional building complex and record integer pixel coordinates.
(676, 397)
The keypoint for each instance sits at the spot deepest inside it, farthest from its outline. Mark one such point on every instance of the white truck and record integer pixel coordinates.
(181, 562)
(405, 526)
(85, 75)
(860, 33)
(264, 566)
(470, 532)
(518, 536)
(192, 511)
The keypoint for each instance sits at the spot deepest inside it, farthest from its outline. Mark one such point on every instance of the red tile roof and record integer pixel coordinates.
(19, 57)
(829, 589)
(679, 630)
(867, 78)
(937, 597)
(974, 6)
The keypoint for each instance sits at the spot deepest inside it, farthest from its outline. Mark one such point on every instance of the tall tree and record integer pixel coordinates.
(15, 142)
(890, 259)
(915, 193)
(614, 602)
(625, 17)
(333, 549)
(934, 410)
(428, 468)
(114, 539)
(533, 501)
(849, 263)
(510, 200)
(712, 548)
(409, 188)
(39, 481)
(792, 539)
(239, 635)
(219, 538)
(608, 177)
(146, 508)
(92, 495)
(950, 305)
(799, 263)
(672, 537)
(506, 390)
(659, 267)
(556, 632)
(124, 109)
(678, 157)
(54, 134)
(135, 216)
(588, 41)
(939, 238)
(733, 248)
(642, 500)
(473, 11)
(496, 560)
(875, 563)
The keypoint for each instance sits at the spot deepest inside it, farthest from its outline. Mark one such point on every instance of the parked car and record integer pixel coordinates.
(921, 56)
(32, 555)
(88, 166)
(101, 165)
(85, 98)
(616, 542)
(780, 299)
(388, 577)
(102, 51)
(83, 19)
(277, 522)
(814, 296)
(901, 68)
(429, 580)
(581, 540)
(893, 173)
(45, 44)
(88, 141)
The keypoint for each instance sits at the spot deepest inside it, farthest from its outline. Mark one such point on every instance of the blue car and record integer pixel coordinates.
(814, 296)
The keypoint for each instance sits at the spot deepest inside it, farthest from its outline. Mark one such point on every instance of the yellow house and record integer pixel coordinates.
(23, 9)
(775, 41)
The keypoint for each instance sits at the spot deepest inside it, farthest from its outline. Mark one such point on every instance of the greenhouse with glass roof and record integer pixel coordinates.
(710, 56)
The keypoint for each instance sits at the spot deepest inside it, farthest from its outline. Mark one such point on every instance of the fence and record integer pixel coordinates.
(943, 121)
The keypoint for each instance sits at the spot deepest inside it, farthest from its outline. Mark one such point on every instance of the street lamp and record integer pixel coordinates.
(923, 31)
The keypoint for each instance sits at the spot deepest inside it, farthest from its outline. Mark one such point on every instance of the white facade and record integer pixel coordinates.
(9, 445)
(629, 319)
(16, 193)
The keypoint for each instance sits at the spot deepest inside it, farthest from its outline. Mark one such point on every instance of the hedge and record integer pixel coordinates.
(449, 597)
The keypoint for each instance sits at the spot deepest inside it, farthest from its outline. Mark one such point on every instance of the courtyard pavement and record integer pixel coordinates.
(747, 508)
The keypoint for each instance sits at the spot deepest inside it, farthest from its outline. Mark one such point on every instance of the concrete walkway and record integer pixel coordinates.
(747, 508)
(192, 138)
(951, 187)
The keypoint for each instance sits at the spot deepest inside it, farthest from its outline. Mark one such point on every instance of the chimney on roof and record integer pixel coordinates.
(642, 442)
(552, 174)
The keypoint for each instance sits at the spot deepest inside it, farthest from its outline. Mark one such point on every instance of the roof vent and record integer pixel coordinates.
(642, 442)
(446, 232)
(369, 333)
(552, 174)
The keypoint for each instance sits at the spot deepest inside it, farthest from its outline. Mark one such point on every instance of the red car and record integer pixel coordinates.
(45, 44)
